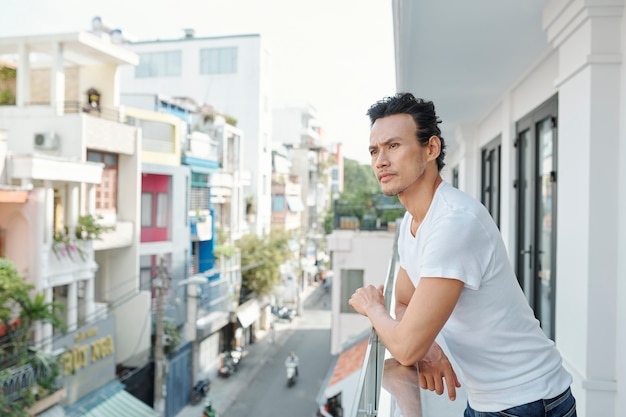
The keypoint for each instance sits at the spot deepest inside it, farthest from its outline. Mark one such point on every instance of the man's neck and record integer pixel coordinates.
(417, 199)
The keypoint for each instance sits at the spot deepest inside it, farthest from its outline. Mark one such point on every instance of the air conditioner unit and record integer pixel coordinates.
(46, 141)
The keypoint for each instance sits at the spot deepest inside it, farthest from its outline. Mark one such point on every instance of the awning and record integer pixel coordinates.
(56, 411)
(248, 312)
(212, 322)
(294, 203)
(110, 400)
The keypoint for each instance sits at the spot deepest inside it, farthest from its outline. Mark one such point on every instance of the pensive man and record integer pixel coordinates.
(455, 278)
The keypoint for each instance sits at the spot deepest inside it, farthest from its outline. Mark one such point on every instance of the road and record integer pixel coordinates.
(268, 394)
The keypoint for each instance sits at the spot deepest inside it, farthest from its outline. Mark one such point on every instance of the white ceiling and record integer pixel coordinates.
(463, 54)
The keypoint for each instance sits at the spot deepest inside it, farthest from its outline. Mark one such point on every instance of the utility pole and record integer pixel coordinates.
(159, 354)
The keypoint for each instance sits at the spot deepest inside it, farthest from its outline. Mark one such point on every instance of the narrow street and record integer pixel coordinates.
(268, 394)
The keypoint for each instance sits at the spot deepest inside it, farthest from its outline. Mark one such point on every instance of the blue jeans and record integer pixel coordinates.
(563, 405)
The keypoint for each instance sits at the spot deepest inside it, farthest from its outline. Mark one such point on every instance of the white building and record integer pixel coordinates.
(231, 73)
(532, 99)
(66, 141)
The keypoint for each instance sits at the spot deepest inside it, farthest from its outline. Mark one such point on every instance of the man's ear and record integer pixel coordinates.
(434, 147)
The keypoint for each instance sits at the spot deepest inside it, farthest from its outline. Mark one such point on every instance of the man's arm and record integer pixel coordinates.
(404, 292)
(429, 307)
(435, 366)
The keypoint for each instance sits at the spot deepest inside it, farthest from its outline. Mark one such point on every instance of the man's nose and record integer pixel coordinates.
(381, 160)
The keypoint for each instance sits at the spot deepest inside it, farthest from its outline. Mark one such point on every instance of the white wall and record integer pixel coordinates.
(366, 250)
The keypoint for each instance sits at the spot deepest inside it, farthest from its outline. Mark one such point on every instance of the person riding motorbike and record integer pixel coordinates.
(292, 360)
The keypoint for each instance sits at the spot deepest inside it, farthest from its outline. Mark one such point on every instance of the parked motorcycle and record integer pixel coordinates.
(230, 362)
(200, 390)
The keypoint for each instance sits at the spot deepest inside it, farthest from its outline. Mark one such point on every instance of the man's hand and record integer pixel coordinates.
(367, 297)
(434, 368)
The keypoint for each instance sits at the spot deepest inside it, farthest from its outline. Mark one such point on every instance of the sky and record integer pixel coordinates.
(336, 55)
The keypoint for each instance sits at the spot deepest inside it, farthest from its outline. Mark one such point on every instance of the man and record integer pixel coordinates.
(455, 278)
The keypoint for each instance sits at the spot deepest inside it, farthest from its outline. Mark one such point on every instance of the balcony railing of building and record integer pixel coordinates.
(386, 388)
(72, 107)
(367, 397)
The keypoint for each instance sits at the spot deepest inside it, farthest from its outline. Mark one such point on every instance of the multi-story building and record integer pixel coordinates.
(210, 149)
(296, 125)
(67, 143)
(232, 73)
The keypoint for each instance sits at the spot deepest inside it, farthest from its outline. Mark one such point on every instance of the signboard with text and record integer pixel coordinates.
(89, 358)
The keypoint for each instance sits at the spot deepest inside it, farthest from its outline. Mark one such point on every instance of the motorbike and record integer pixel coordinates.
(230, 362)
(200, 390)
(236, 355)
(208, 410)
(292, 374)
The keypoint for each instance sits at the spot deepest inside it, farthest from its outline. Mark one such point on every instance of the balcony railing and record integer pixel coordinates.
(387, 388)
(370, 381)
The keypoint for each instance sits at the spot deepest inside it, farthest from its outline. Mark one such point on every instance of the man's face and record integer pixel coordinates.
(397, 158)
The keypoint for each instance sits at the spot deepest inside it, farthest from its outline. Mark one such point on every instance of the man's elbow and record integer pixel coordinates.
(409, 357)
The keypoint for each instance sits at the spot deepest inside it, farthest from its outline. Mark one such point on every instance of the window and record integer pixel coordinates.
(200, 197)
(351, 279)
(147, 265)
(146, 209)
(162, 210)
(106, 191)
(159, 64)
(455, 176)
(490, 178)
(278, 203)
(156, 208)
(218, 60)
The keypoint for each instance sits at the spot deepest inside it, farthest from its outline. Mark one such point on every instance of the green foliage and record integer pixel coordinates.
(7, 73)
(261, 259)
(362, 198)
(90, 227)
(224, 250)
(173, 337)
(7, 97)
(18, 312)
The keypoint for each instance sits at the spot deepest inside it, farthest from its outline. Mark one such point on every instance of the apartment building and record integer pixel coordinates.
(233, 75)
(68, 148)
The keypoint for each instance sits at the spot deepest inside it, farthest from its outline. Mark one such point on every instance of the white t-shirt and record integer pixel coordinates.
(505, 359)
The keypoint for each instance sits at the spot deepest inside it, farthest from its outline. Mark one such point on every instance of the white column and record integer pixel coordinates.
(57, 79)
(72, 306)
(91, 198)
(49, 213)
(46, 329)
(72, 207)
(587, 36)
(22, 95)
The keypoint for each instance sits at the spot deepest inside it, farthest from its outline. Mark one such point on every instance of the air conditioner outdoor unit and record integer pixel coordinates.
(46, 141)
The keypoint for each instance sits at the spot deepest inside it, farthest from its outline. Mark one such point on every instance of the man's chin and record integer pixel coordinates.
(390, 193)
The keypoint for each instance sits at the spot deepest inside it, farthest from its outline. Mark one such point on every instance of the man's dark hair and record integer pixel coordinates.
(422, 112)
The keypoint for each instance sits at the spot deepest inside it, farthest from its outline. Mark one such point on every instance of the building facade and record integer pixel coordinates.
(232, 74)
(532, 105)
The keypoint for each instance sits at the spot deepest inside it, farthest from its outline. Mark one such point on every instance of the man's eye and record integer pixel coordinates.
(373, 152)
(393, 145)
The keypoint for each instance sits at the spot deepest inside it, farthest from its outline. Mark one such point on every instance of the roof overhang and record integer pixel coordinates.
(78, 48)
(38, 167)
(465, 55)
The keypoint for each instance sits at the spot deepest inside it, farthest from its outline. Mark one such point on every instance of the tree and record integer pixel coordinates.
(260, 262)
(18, 312)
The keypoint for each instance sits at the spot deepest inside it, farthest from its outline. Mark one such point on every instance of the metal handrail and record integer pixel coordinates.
(370, 380)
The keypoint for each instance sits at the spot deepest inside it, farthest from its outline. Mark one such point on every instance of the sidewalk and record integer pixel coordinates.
(224, 391)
